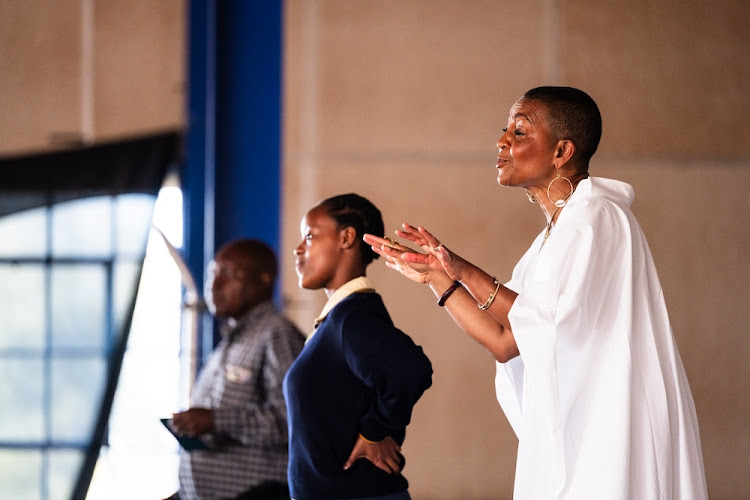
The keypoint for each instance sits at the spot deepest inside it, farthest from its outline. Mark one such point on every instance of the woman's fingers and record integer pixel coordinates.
(382, 241)
(380, 250)
(410, 263)
(409, 228)
(420, 236)
(378, 241)
(417, 240)
(383, 454)
(373, 240)
(433, 242)
(410, 233)
(408, 270)
(393, 465)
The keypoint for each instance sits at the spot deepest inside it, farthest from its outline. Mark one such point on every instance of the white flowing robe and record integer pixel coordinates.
(598, 397)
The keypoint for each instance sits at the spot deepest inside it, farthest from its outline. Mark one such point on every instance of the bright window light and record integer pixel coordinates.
(141, 458)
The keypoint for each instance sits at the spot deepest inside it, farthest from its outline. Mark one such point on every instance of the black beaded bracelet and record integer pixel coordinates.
(448, 292)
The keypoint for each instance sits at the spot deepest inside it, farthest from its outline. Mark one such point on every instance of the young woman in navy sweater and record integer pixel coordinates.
(351, 391)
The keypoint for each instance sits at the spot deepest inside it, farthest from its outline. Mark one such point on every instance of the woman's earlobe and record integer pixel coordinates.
(564, 151)
(349, 236)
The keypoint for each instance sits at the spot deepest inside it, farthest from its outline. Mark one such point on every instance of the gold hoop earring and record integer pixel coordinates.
(530, 196)
(561, 202)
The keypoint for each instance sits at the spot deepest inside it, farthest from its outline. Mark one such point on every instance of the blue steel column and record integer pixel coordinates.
(200, 152)
(232, 179)
(248, 120)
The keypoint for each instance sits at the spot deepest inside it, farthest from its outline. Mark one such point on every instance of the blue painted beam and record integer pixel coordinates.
(232, 172)
(248, 121)
(199, 165)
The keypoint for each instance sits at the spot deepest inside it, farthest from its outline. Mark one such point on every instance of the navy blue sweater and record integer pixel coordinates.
(358, 374)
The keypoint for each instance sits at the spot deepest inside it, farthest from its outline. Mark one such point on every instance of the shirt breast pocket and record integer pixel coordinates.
(237, 374)
(240, 386)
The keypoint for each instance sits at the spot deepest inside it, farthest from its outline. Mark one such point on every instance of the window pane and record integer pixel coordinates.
(24, 234)
(20, 474)
(21, 396)
(76, 396)
(123, 288)
(133, 212)
(21, 306)
(79, 306)
(82, 228)
(64, 467)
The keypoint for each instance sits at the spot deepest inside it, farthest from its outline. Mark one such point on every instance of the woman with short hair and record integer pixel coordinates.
(588, 372)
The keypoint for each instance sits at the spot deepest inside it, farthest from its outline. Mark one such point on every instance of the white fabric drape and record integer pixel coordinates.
(598, 397)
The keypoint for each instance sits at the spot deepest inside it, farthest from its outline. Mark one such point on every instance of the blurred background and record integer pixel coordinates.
(249, 113)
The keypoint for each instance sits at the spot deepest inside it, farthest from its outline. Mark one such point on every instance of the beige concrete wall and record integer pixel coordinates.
(89, 70)
(139, 66)
(402, 102)
(40, 64)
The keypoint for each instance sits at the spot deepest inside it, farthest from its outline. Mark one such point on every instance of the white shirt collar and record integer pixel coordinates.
(359, 284)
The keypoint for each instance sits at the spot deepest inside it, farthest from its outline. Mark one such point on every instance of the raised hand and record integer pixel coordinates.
(385, 454)
(393, 253)
(451, 263)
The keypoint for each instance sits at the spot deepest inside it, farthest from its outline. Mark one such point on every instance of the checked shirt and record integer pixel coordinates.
(242, 383)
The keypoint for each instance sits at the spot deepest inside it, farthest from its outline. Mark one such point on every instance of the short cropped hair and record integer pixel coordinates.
(571, 114)
(353, 210)
(256, 252)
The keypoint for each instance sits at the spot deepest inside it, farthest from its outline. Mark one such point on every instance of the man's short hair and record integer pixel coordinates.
(257, 252)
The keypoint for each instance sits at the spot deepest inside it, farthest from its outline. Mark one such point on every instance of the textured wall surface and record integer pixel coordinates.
(89, 70)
